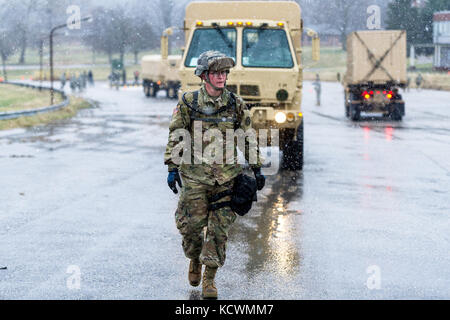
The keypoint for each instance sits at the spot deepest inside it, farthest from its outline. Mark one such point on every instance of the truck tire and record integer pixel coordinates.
(171, 92)
(396, 114)
(347, 111)
(153, 89)
(293, 151)
(354, 112)
(146, 89)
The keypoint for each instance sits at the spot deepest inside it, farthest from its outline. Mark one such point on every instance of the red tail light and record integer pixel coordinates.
(366, 95)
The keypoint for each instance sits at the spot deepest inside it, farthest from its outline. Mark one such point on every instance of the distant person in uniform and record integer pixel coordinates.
(73, 85)
(84, 80)
(91, 77)
(63, 80)
(419, 81)
(136, 77)
(408, 83)
(79, 83)
(318, 89)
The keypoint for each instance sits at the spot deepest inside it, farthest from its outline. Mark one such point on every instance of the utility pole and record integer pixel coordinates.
(41, 53)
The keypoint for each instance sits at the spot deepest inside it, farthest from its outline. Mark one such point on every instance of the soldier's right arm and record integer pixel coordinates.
(180, 120)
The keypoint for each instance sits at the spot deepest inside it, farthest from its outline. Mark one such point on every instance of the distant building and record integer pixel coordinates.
(441, 40)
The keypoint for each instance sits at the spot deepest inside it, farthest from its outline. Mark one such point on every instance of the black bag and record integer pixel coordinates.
(242, 196)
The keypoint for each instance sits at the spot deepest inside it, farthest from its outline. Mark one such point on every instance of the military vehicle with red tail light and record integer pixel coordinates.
(376, 70)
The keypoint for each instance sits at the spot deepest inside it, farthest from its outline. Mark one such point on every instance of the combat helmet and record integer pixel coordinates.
(213, 61)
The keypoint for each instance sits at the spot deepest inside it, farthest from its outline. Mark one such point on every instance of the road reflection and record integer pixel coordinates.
(270, 231)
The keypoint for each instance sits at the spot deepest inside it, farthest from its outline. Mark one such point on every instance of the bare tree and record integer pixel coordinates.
(26, 7)
(343, 16)
(8, 39)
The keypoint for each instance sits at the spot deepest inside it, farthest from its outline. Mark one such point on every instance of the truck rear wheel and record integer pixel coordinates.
(153, 89)
(293, 151)
(147, 90)
(172, 92)
(354, 111)
(347, 111)
(396, 114)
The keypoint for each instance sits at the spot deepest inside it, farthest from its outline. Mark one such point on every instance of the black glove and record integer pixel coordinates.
(172, 178)
(260, 178)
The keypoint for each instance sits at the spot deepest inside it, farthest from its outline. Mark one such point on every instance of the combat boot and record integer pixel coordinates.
(195, 272)
(209, 288)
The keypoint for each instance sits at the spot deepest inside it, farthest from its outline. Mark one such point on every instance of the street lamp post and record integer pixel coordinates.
(51, 56)
(41, 53)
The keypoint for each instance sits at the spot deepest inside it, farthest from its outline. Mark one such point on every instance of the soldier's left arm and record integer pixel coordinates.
(245, 123)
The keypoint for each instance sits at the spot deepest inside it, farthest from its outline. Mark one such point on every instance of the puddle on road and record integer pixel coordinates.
(270, 230)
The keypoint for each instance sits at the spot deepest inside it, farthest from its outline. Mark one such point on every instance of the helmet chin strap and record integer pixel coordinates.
(209, 82)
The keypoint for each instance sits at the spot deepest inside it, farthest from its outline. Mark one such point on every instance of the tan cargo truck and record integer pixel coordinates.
(160, 72)
(376, 69)
(263, 37)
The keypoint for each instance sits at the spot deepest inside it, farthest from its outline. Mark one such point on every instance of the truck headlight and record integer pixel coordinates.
(280, 117)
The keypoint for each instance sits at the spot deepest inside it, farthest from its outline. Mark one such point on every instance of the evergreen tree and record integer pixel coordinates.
(431, 6)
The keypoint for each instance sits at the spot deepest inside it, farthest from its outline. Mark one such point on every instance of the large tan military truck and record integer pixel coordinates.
(160, 72)
(263, 37)
(376, 69)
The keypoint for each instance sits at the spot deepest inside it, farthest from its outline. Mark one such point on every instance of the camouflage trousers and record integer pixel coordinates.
(192, 216)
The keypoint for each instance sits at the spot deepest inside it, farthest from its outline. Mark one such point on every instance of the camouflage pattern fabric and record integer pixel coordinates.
(192, 216)
(201, 181)
(210, 173)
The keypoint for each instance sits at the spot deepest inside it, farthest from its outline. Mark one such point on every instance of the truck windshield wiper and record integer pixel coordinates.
(223, 36)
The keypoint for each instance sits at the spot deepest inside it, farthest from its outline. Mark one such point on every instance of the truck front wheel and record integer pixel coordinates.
(293, 151)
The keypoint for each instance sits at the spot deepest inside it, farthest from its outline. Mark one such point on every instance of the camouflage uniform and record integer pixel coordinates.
(201, 181)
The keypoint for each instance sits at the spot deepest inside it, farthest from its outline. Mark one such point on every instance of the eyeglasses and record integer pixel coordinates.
(219, 73)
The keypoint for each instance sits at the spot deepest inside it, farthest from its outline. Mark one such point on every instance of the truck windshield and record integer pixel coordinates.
(266, 48)
(219, 39)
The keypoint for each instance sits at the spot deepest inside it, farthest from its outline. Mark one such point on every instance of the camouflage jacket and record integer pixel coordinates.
(220, 169)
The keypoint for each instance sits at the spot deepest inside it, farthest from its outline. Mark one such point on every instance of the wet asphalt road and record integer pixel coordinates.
(368, 218)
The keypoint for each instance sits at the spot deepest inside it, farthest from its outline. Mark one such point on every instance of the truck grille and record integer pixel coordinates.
(249, 90)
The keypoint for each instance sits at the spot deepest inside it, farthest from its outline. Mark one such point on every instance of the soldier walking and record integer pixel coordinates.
(419, 81)
(215, 108)
(73, 84)
(63, 80)
(318, 89)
